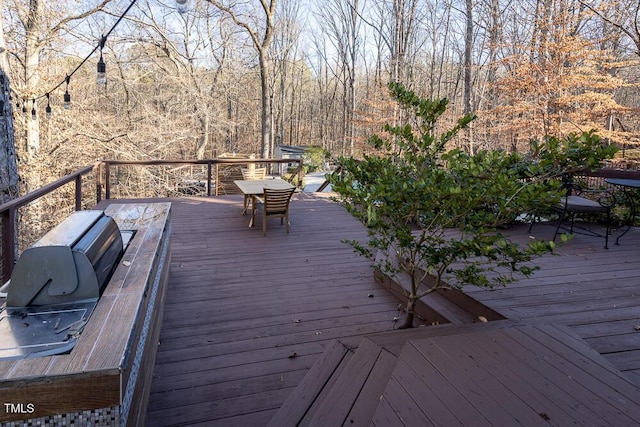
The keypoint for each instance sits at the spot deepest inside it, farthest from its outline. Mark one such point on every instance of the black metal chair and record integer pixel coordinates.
(583, 202)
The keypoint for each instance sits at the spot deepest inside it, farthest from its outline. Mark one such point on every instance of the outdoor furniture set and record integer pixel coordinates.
(587, 199)
(273, 194)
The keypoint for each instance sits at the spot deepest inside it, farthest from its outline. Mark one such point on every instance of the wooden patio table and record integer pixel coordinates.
(255, 187)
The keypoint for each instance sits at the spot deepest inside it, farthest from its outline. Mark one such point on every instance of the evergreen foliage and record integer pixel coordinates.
(440, 213)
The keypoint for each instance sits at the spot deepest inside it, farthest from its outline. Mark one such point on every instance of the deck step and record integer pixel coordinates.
(351, 394)
(319, 376)
(335, 403)
(345, 387)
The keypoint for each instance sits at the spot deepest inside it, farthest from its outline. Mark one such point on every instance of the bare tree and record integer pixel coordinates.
(341, 19)
(625, 17)
(285, 57)
(468, 47)
(261, 34)
(39, 27)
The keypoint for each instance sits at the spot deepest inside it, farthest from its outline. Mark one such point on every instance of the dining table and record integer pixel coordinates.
(253, 188)
(628, 187)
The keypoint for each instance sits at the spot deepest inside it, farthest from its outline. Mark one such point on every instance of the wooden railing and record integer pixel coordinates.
(9, 212)
(103, 189)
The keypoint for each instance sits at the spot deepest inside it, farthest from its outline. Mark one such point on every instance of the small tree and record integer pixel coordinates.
(438, 213)
(315, 158)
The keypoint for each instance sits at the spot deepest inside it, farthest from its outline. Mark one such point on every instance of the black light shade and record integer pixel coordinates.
(101, 77)
(182, 5)
(47, 110)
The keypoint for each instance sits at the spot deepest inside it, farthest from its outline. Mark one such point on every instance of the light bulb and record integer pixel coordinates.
(67, 100)
(101, 77)
(182, 5)
(47, 109)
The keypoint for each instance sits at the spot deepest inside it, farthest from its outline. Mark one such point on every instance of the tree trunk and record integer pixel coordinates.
(205, 125)
(408, 319)
(9, 179)
(266, 106)
(32, 75)
(468, 44)
(495, 35)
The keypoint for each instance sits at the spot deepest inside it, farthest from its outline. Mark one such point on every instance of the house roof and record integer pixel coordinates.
(292, 149)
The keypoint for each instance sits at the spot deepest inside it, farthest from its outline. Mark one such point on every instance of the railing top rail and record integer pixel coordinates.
(30, 197)
(199, 162)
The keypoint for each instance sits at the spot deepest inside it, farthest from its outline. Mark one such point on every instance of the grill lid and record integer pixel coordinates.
(73, 262)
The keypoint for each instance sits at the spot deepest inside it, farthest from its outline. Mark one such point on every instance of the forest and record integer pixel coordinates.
(196, 79)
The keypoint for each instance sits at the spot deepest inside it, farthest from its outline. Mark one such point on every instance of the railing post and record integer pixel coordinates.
(209, 178)
(107, 181)
(79, 192)
(98, 179)
(217, 178)
(8, 242)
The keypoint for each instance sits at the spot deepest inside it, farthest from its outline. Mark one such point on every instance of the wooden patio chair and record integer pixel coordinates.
(275, 203)
(251, 174)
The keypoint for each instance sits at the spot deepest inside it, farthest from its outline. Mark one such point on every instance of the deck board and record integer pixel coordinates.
(239, 304)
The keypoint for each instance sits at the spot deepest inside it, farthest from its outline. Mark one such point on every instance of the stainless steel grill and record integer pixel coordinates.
(56, 284)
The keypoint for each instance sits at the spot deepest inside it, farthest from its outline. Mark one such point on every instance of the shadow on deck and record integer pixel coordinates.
(248, 316)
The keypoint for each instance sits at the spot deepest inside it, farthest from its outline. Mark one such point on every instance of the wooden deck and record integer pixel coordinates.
(247, 316)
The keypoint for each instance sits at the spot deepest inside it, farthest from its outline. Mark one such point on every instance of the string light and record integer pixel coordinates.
(182, 5)
(33, 109)
(24, 107)
(101, 67)
(101, 77)
(67, 96)
(47, 110)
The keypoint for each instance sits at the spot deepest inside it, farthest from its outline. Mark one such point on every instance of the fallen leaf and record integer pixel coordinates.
(296, 321)
(370, 295)
(293, 355)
